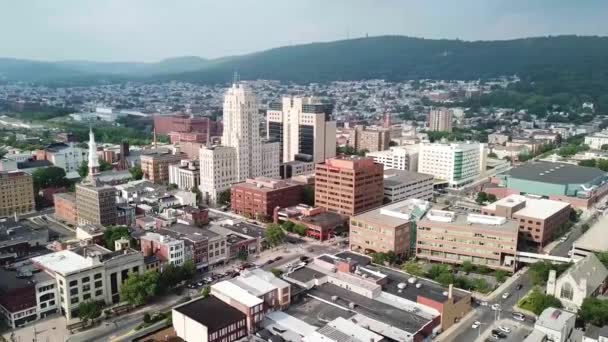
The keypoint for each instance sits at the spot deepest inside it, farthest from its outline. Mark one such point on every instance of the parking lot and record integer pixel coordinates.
(517, 331)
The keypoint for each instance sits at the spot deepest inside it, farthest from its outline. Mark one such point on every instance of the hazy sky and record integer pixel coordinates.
(149, 30)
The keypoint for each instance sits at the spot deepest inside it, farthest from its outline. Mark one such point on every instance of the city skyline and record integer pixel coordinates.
(74, 30)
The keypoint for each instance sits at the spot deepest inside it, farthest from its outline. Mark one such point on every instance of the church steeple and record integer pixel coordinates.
(93, 158)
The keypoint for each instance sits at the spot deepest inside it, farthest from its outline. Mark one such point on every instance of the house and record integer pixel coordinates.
(585, 278)
(556, 324)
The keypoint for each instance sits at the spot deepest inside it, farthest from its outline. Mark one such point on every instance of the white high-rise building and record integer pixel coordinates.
(398, 157)
(458, 163)
(242, 154)
(304, 128)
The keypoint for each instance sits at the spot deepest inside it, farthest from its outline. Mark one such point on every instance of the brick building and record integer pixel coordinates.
(155, 164)
(165, 124)
(320, 223)
(65, 207)
(167, 249)
(16, 193)
(96, 205)
(192, 321)
(371, 140)
(349, 185)
(260, 196)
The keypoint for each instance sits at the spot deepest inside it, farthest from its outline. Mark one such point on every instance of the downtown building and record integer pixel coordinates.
(459, 164)
(242, 154)
(16, 193)
(304, 128)
(398, 157)
(441, 119)
(367, 139)
(155, 164)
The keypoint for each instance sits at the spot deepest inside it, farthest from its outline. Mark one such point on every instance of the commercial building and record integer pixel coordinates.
(96, 204)
(258, 197)
(555, 324)
(400, 185)
(65, 208)
(203, 246)
(304, 128)
(20, 239)
(587, 277)
(349, 185)
(181, 123)
(89, 273)
(578, 185)
(459, 164)
(168, 250)
(320, 223)
(368, 139)
(592, 241)
(16, 193)
(597, 140)
(445, 236)
(398, 157)
(387, 229)
(242, 154)
(296, 168)
(186, 175)
(155, 164)
(539, 219)
(440, 119)
(208, 320)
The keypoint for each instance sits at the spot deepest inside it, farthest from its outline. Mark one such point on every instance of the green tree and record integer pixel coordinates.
(83, 169)
(147, 318)
(276, 272)
(224, 197)
(492, 198)
(308, 195)
(413, 268)
(205, 291)
(482, 197)
(445, 278)
(436, 270)
(300, 229)
(500, 276)
(198, 193)
(603, 257)
(187, 270)
(587, 162)
(288, 226)
(538, 301)
(115, 233)
(594, 311)
(467, 266)
(139, 288)
(379, 258)
(51, 176)
(274, 234)
(136, 172)
(604, 147)
(89, 310)
(539, 271)
(480, 285)
(242, 255)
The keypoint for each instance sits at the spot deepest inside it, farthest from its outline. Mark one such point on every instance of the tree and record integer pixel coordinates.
(539, 271)
(500, 276)
(413, 268)
(115, 233)
(379, 258)
(604, 147)
(538, 301)
(482, 197)
(89, 310)
(147, 318)
(274, 234)
(603, 257)
(276, 272)
(445, 278)
(437, 270)
(199, 194)
(300, 229)
(51, 176)
(139, 288)
(224, 197)
(187, 270)
(205, 291)
(136, 173)
(288, 226)
(492, 198)
(242, 255)
(83, 169)
(492, 155)
(392, 143)
(467, 266)
(594, 311)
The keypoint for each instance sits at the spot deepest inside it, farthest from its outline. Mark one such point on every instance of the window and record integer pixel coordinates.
(73, 283)
(98, 284)
(98, 293)
(97, 276)
(86, 279)
(74, 300)
(566, 291)
(73, 291)
(86, 296)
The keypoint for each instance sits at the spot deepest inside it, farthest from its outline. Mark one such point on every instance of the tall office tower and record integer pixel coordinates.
(95, 204)
(304, 128)
(440, 119)
(349, 185)
(459, 164)
(243, 154)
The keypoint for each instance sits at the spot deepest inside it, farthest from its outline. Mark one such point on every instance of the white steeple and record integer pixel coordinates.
(93, 158)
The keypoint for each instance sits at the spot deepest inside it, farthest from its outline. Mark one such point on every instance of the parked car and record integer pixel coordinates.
(278, 258)
(518, 316)
(476, 324)
(504, 329)
(505, 295)
(498, 334)
(518, 287)
(496, 307)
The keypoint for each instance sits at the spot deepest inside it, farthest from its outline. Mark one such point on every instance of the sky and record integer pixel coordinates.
(150, 30)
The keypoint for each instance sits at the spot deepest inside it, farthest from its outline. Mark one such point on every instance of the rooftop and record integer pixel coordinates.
(234, 291)
(324, 219)
(535, 208)
(475, 221)
(210, 312)
(591, 269)
(64, 262)
(15, 232)
(265, 184)
(594, 239)
(193, 233)
(554, 319)
(397, 213)
(556, 173)
(394, 177)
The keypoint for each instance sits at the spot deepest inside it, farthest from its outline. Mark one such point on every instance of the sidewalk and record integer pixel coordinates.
(510, 281)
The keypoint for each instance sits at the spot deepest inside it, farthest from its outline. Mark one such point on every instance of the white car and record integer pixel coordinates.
(505, 295)
(504, 329)
(476, 324)
(563, 238)
(496, 307)
(483, 303)
(519, 316)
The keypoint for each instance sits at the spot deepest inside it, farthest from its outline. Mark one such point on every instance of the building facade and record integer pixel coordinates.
(16, 193)
(440, 119)
(372, 140)
(168, 250)
(400, 185)
(165, 124)
(444, 236)
(66, 156)
(155, 165)
(258, 197)
(459, 164)
(349, 185)
(597, 140)
(398, 157)
(186, 175)
(65, 208)
(96, 205)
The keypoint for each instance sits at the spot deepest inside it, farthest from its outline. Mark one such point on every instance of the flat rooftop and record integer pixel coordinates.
(180, 230)
(234, 291)
(594, 239)
(556, 173)
(394, 177)
(324, 219)
(407, 321)
(63, 262)
(211, 312)
(534, 208)
(461, 220)
(395, 214)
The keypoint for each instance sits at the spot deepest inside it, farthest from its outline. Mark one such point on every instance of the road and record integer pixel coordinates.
(486, 315)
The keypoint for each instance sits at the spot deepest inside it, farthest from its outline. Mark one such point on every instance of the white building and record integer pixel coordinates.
(66, 156)
(185, 175)
(89, 273)
(585, 278)
(556, 324)
(168, 249)
(458, 163)
(400, 185)
(596, 140)
(305, 129)
(242, 154)
(398, 157)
